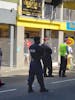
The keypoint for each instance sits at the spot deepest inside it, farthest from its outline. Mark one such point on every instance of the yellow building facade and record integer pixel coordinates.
(55, 30)
(39, 19)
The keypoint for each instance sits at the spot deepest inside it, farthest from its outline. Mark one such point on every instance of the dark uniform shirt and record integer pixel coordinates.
(36, 53)
(47, 51)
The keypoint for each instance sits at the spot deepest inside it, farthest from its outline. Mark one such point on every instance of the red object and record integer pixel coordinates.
(29, 43)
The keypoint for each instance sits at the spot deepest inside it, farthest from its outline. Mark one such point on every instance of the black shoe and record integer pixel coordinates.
(44, 90)
(30, 90)
(50, 75)
(1, 84)
(45, 75)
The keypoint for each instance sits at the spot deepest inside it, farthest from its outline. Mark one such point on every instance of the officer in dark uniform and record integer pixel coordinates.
(35, 66)
(47, 59)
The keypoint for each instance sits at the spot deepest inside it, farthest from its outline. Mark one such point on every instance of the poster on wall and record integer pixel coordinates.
(32, 8)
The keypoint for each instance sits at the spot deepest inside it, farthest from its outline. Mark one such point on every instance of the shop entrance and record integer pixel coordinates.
(5, 44)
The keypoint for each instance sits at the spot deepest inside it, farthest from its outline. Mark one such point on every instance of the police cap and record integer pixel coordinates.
(36, 39)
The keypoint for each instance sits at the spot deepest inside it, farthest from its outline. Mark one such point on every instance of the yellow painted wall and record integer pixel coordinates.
(40, 23)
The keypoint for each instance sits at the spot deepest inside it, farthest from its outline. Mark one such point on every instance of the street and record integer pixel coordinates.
(15, 88)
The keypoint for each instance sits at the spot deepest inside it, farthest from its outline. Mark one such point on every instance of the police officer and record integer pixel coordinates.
(35, 66)
(47, 59)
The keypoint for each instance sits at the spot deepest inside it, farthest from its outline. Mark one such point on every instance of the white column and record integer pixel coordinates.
(43, 8)
(61, 38)
(20, 47)
(61, 12)
(61, 33)
(42, 36)
(42, 31)
(11, 45)
(19, 8)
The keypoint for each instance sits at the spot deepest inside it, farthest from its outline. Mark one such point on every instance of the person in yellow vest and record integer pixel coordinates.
(63, 59)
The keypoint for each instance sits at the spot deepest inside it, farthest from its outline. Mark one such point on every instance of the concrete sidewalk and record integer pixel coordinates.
(14, 72)
(8, 71)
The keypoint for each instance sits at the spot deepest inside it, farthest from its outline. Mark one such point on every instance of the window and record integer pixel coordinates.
(4, 31)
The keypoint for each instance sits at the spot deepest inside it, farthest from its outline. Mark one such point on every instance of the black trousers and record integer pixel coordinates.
(36, 70)
(63, 66)
(49, 67)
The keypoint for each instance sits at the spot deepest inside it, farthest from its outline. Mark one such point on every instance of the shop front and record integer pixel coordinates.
(7, 34)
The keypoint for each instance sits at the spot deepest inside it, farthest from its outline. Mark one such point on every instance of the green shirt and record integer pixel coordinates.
(63, 49)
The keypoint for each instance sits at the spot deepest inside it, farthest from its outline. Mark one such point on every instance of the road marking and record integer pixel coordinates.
(10, 90)
(68, 80)
(56, 82)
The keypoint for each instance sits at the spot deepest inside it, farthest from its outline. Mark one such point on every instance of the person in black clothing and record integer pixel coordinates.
(47, 59)
(1, 83)
(35, 66)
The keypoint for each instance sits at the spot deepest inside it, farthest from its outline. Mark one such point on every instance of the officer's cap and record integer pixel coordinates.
(36, 39)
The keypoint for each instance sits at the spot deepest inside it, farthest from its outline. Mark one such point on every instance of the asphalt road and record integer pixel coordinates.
(15, 88)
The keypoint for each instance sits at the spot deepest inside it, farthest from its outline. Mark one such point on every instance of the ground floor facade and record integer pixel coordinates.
(15, 40)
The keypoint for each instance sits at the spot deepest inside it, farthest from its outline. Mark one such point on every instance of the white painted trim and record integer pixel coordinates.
(8, 5)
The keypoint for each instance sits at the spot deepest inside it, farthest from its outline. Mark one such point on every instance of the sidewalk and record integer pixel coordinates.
(4, 72)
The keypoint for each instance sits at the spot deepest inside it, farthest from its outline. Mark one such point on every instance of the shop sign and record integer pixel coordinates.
(70, 26)
(32, 7)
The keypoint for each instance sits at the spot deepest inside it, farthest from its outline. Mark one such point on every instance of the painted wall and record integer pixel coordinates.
(40, 23)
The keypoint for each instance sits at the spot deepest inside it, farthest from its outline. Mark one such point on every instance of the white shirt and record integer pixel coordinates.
(70, 49)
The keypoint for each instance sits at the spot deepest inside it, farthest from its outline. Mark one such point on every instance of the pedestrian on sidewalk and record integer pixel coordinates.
(35, 66)
(47, 59)
(63, 59)
(1, 83)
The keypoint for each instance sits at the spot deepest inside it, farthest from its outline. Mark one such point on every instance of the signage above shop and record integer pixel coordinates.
(32, 8)
(70, 26)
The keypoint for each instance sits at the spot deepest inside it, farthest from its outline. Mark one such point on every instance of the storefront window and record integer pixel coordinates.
(5, 44)
(4, 31)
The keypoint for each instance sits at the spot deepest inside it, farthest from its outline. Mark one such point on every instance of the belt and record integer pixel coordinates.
(35, 59)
